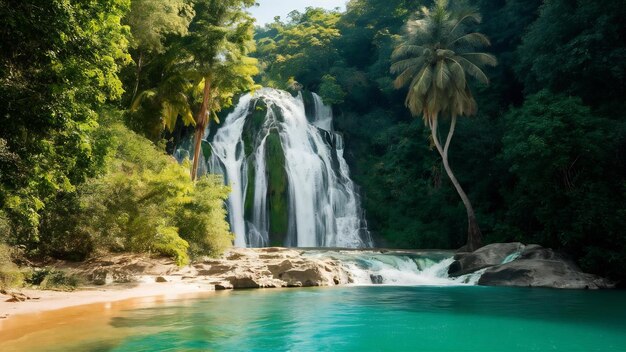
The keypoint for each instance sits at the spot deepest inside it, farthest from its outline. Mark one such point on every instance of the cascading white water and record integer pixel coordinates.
(398, 269)
(321, 200)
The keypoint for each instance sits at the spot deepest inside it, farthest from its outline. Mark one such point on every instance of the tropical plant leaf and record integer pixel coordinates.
(442, 75)
(146, 94)
(472, 39)
(480, 59)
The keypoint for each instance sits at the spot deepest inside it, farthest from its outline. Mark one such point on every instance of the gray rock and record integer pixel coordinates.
(102, 277)
(243, 281)
(304, 277)
(376, 279)
(541, 273)
(223, 286)
(535, 251)
(483, 257)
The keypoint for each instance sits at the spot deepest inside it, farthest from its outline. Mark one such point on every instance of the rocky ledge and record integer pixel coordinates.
(238, 268)
(516, 264)
(498, 264)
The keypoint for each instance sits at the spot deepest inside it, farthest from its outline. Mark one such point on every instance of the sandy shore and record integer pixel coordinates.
(84, 314)
(53, 300)
(238, 268)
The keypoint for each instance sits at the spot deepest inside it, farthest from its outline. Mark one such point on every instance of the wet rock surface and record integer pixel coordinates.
(489, 255)
(541, 273)
(516, 264)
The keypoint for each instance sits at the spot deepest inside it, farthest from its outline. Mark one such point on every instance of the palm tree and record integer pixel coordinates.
(220, 38)
(209, 65)
(172, 96)
(435, 59)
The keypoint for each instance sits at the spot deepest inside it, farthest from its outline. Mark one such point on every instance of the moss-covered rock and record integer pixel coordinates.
(254, 123)
(206, 150)
(309, 104)
(249, 200)
(278, 193)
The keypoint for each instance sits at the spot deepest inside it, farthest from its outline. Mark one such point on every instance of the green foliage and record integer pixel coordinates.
(300, 48)
(152, 21)
(576, 47)
(277, 189)
(147, 203)
(436, 58)
(567, 191)
(201, 221)
(10, 275)
(74, 182)
(330, 91)
(58, 63)
(53, 279)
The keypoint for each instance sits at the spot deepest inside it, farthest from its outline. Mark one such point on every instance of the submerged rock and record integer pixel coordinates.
(484, 257)
(376, 279)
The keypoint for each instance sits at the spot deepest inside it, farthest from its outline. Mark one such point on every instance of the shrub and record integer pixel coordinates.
(146, 202)
(10, 274)
(53, 279)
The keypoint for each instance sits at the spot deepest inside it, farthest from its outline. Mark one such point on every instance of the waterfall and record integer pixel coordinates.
(290, 183)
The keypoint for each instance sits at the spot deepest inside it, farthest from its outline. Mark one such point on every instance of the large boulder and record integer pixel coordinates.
(313, 274)
(535, 251)
(489, 255)
(541, 272)
(252, 280)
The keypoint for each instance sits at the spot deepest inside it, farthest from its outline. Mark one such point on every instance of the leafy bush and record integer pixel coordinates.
(201, 219)
(146, 202)
(10, 274)
(52, 279)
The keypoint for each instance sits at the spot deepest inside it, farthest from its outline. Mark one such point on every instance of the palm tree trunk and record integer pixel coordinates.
(139, 67)
(201, 122)
(474, 235)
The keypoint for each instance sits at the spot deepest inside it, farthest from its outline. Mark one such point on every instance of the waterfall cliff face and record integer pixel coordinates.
(290, 183)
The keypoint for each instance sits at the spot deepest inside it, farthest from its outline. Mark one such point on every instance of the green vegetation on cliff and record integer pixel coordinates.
(277, 189)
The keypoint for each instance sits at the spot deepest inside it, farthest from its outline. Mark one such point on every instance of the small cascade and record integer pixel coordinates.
(397, 269)
(511, 257)
(290, 183)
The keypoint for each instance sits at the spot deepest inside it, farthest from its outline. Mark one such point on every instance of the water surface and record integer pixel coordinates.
(369, 318)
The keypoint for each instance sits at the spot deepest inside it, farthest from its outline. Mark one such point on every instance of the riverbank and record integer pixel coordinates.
(37, 301)
(126, 276)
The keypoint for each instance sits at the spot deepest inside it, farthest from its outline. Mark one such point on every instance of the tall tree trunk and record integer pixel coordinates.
(202, 121)
(139, 67)
(474, 235)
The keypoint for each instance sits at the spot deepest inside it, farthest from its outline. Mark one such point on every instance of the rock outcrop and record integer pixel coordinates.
(498, 264)
(236, 269)
(489, 255)
(516, 264)
(272, 267)
(541, 273)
